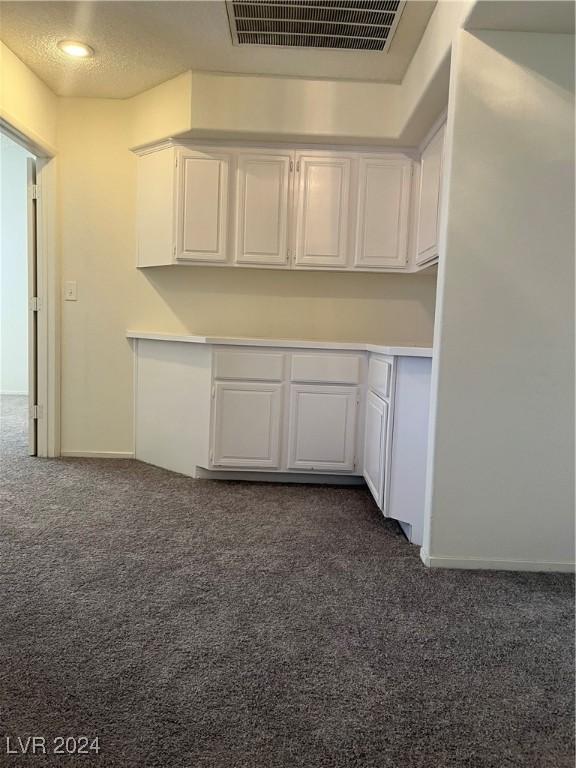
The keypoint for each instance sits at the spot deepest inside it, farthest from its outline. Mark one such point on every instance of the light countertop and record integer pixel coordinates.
(404, 351)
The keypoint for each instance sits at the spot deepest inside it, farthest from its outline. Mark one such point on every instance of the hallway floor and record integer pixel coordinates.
(204, 624)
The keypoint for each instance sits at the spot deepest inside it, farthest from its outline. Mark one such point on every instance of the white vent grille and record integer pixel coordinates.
(356, 25)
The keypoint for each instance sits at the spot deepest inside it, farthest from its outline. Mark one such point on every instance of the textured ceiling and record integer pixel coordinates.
(141, 44)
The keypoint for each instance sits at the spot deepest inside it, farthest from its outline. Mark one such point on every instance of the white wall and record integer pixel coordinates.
(13, 269)
(501, 486)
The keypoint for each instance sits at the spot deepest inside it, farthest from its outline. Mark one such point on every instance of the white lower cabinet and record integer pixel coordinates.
(289, 410)
(246, 424)
(396, 438)
(313, 429)
(322, 428)
(375, 446)
(405, 494)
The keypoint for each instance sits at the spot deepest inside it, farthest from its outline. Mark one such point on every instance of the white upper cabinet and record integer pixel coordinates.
(383, 213)
(287, 209)
(429, 199)
(323, 210)
(262, 202)
(202, 219)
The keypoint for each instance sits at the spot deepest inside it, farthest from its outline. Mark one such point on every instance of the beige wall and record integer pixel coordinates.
(96, 225)
(281, 107)
(163, 111)
(256, 302)
(97, 191)
(26, 103)
(502, 466)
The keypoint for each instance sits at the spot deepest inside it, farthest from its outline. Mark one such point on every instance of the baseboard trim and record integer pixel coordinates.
(97, 454)
(469, 563)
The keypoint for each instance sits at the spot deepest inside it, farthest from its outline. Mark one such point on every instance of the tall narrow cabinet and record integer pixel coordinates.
(429, 200)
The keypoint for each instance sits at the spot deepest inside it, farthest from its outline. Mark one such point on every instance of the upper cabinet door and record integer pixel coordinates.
(383, 213)
(322, 211)
(429, 200)
(202, 223)
(262, 209)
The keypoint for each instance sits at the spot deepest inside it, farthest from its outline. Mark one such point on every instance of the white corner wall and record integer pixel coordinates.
(13, 269)
(501, 481)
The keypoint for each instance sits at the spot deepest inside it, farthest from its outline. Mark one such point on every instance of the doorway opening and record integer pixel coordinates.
(19, 302)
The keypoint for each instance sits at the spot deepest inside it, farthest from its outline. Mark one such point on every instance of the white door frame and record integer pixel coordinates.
(32, 308)
(48, 330)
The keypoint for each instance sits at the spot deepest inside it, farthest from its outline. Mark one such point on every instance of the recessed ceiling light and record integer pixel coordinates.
(75, 49)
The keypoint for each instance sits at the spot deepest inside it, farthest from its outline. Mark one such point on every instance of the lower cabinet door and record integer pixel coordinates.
(375, 436)
(246, 425)
(322, 428)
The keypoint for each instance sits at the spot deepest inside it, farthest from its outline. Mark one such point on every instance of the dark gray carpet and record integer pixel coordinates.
(202, 624)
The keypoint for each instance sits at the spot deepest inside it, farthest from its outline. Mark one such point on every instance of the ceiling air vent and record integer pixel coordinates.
(351, 25)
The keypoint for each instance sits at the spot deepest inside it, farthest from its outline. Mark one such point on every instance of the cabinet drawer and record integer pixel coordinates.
(380, 375)
(248, 365)
(326, 369)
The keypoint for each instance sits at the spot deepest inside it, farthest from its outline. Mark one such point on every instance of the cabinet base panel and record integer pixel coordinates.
(278, 477)
(410, 532)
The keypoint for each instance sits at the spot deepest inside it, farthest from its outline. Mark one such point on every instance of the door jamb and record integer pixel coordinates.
(48, 362)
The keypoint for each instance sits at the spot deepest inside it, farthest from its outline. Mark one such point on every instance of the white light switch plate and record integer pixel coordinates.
(70, 290)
